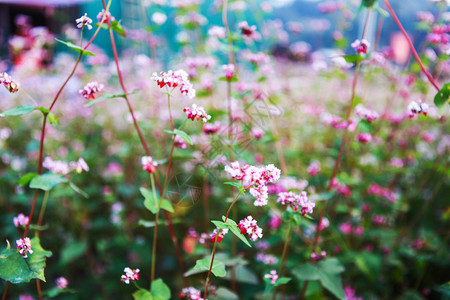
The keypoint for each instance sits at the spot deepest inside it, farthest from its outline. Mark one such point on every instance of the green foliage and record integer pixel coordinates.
(18, 111)
(202, 265)
(46, 181)
(181, 134)
(442, 97)
(76, 48)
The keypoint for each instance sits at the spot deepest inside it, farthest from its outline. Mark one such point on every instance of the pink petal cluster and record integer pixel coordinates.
(200, 61)
(314, 168)
(297, 200)
(90, 89)
(210, 128)
(439, 34)
(62, 282)
(24, 246)
(175, 79)
(255, 58)
(9, 83)
(180, 142)
(425, 16)
(229, 70)
(350, 294)
(249, 226)
(375, 189)
(254, 178)
(63, 168)
(196, 113)
(364, 138)
(130, 275)
(330, 6)
(340, 188)
(191, 293)
(246, 30)
(415, 108)
(347, 228)
(257, 133)
(320, 256)
(148, 164)
(217, 31)
(108, 17)
(79, 166)
(364, 113)
(273, 276)
(20, 220)
(84, 21)
(220, 235)
(361, 46)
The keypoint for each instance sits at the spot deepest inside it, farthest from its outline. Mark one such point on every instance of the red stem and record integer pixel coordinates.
(411, 46)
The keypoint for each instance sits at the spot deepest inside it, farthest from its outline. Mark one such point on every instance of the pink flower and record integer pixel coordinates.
(175, 79)
(222, 233)
(361, 46)
(217, 31)
(130, 275)
(255, 58)
(108, 17)
(378, 220)
(148, 164)
(79, 166)
(62, 282)
(249, 226)
(350, 294)
(191, 293)
(229, 70)
(364, 138)
(345, 228)
(24, 246)
(90, 89)
(246, 30)
(267, 259)
(274, 222)
(56, 166)
(397, 162)
(318, 257)
(257, 133)
(196, 113)
(273, 276)
(330, 6)
(84, 21)
(365, 113)
(180, 142)
(415, 108)
(314, 168)
(159, 18)
(20, 220)
(210, 128)
(296, 201)
(9, 83)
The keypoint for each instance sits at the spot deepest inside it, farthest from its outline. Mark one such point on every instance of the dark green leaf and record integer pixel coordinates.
(76, 48)
(47, 181)
(368, 3)
(218, 268)
(72, 251)
(18, 111)
(442, 97)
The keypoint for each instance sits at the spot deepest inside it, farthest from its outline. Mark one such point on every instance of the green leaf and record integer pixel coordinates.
(166, 205)
(44, 110)
(16, 269)
(354, 58)
(159, 290)
(53, 119)
(220, 224)
(236, 231)
(76, 48)
(78, 190)
(306, 272)
(72, 251)
(442, 97)
(47, 181)
(223, 294)
(243, 274)
(368, 3)
(235, 184)
(26, 178)
(332, 283)
(218, 268)
(331, 265)
(142, 295)
(150, 202)
(109, 96)
(18, 111)
(282, 280)
(184, 136)
(117, 27)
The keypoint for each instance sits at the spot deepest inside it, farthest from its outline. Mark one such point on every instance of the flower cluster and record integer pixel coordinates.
(174, 79)
(330, 6)
(365, 113)
(254, 178)
(364, 138)
(222, 233)
(439, 34)
(267, 259)
(196, 113)
(108, 16)
(20, 220)
(63, 168)
(9, 83)
(84, 21)
(210, 128)
(179, 142)
(191, 293)
(375, 189)
(24, 246)
(229, 70)
(62, 282)
(347, 228)
(340, 188)
(361, 46)
(415, 108)
(320, 256)
(249, 226)
(297, 200)
(148, 164)
(217, 31)
(200, 61)
(130, 275)
(273, 276)
(314, 168)
(246, 30)
(90, 89)
(255, 58)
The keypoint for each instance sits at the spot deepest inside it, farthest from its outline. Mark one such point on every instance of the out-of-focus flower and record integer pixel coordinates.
(415, 108)
(130, 275)
(217, 31)
(24, 246)
(180, 142)
(365, 113)
(56, 166)
(314, 168)
(229, 70)
(211, 128)
(249, 226)
(175, 79)
(297, 200)
(319, 256)
(62, 282)
(257, 133)
(273, 276)
(196, 113)
(148, 164)
(350, 293)
(9, 83)
(190, 293)
(90, 89)
(364, 137)
(246, 30)
(108, 17)
(79, 166)
(330, 6)
(425, 16)
(20, 220)
(84, 21)
(159, 18)
(361, 46)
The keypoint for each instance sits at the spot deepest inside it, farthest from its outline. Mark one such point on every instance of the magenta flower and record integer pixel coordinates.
(314, 168)
(148, 164)
(364, 138)
(24, 247)
(222, 233)
(108, 17)
(9, 83)
(297, 201)
(246, 30)
(229, 70)
(361, 46)
(273, 276)
(20, 220)
(91, 89)
(62, 282)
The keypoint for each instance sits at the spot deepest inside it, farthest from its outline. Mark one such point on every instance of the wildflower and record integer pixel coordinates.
(210, 128)
(180, 142)
(274, 222)
(56, 166)
(108, 17)
(273, 276)
(196, 113)
(90, 89)
(318, 257)
(397, 162)
(255, 58)
(84, 21)
(62, 282)
(159, 18)
(249, 226)
(261, 195)
(296, 201)
(378, 220)
(267, 259)
(415, 108)
(25, 297)
(148, 164)
(24, 246)
(217, 31)
(364, 138)
(191, 293)
(246, 30)
(9, 83)
(257, 133)
(314, 168)
(229, 70)
(365, 113)
(361, 46)
(79, 166)
(20, 220)
(220, 235)
(130, 275)
(173, 80)
(350, 294)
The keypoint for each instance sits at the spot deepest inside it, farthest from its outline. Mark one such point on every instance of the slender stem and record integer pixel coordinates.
(5, 291)
(283, 255)
(99, 25)
(38, 287)
(411, 46)
(43, 207)
(155, 232)
(215, 244)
